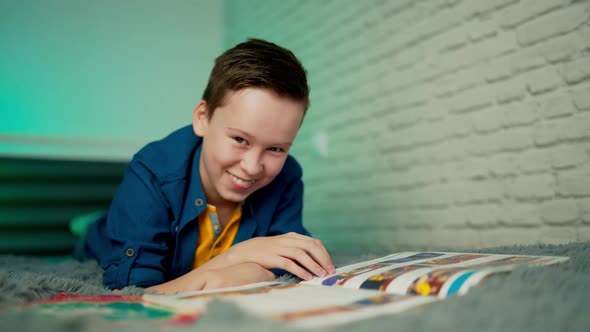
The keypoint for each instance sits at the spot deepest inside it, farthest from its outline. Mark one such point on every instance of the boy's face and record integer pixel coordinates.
(245, 143)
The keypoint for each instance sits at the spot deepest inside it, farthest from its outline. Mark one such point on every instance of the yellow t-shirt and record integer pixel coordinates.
(213, 239)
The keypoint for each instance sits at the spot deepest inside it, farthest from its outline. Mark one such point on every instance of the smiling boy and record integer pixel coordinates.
(218, 203)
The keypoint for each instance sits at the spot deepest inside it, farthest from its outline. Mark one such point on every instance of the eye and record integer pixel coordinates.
(276, 149)
(240, 140)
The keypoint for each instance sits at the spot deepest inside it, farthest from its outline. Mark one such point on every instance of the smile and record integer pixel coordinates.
(244, 184)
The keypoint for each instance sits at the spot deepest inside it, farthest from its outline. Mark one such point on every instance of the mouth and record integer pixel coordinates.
(241, 183)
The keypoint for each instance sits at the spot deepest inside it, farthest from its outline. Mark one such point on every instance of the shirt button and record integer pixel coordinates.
(216, 227)
(198, 202)
(129, 252)
(176, 229)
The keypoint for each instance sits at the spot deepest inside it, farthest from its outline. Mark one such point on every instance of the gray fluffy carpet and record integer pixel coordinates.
(554, 298)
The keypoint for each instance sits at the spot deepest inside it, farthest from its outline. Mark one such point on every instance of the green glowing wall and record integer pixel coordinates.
(99, 79)
(83, 85)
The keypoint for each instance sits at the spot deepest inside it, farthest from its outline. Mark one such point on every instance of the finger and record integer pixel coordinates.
(290, 266)
(304, 259)
(316, 250)
(324, 259)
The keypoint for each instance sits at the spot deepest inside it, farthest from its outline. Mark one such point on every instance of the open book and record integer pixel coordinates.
(390, 284)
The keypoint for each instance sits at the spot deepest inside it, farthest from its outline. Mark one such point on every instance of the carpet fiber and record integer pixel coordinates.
(554, 298)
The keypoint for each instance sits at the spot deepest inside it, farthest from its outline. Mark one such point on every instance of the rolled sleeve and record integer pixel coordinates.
(134, 249)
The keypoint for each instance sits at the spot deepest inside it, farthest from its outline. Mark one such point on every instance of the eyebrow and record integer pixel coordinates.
(243, 133)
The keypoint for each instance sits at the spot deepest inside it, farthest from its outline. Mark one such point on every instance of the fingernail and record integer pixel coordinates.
(331, 268)
(322, 273)
(308, 276)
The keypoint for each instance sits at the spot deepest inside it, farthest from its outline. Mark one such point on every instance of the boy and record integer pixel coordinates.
(218, 203)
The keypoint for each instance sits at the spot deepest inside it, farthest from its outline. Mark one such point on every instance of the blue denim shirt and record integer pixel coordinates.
(149, 234)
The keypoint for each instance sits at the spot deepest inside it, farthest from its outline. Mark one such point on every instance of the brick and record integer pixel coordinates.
(447, 62)
(486, 6)
(573, 184)
(499, 69)
(560, 212)
(532, 187)
(453, 171)
(526, 10)
(502, 165)
(503, 43)
(562, 48)
(472, 168)
(568, 156)
(584, 36)
(577, 70)
(582, 98)
(516, 139)
(510, 90)
(487, 120)
(487, 215)
(577, 126)
(430, 113)
(467, 9)
(527, 59)
(478, 192)
(454, 38)
(470, 100)
(404, 119)
(480, 145)
(434, 196)
(534, 161)
(446, 151)
(481, 28)
(430, 132)
(543, 80)
(551, 132)
(557, 106)
(523, 215)
(461, 80)
(516, 114)
(552, 24)
(453, 217)
(584, 206)
(557, 235)
(410, 97)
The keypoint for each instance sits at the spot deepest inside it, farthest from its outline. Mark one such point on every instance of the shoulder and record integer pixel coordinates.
(169, 158)
(291, 171)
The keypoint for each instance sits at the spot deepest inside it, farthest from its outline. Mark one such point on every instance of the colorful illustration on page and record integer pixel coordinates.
(382, 280)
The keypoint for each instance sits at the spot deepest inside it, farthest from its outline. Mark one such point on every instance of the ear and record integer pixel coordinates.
(200, 119)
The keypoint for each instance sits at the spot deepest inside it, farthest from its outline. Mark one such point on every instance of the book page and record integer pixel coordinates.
(438, 274)
(296, 304)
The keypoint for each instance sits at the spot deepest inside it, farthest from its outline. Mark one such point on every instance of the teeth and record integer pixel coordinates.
(241, 182)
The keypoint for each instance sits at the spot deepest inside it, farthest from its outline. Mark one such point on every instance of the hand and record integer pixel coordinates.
(291, 252)
(230, 276)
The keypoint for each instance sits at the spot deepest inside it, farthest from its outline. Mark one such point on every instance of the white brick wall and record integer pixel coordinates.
(462, 123)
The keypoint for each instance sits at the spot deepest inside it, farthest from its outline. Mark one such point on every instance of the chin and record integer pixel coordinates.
(233, 197)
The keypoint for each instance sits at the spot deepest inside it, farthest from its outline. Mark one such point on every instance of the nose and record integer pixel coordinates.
(251, 163)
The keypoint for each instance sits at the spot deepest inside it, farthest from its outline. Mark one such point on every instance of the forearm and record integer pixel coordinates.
(183, 283)
(206, 277)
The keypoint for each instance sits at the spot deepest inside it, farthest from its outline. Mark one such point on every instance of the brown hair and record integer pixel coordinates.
(256, 63)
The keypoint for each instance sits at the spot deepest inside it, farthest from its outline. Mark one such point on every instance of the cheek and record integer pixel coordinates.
(226, 157)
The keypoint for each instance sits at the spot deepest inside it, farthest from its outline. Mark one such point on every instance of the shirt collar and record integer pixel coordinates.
(195, 201)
